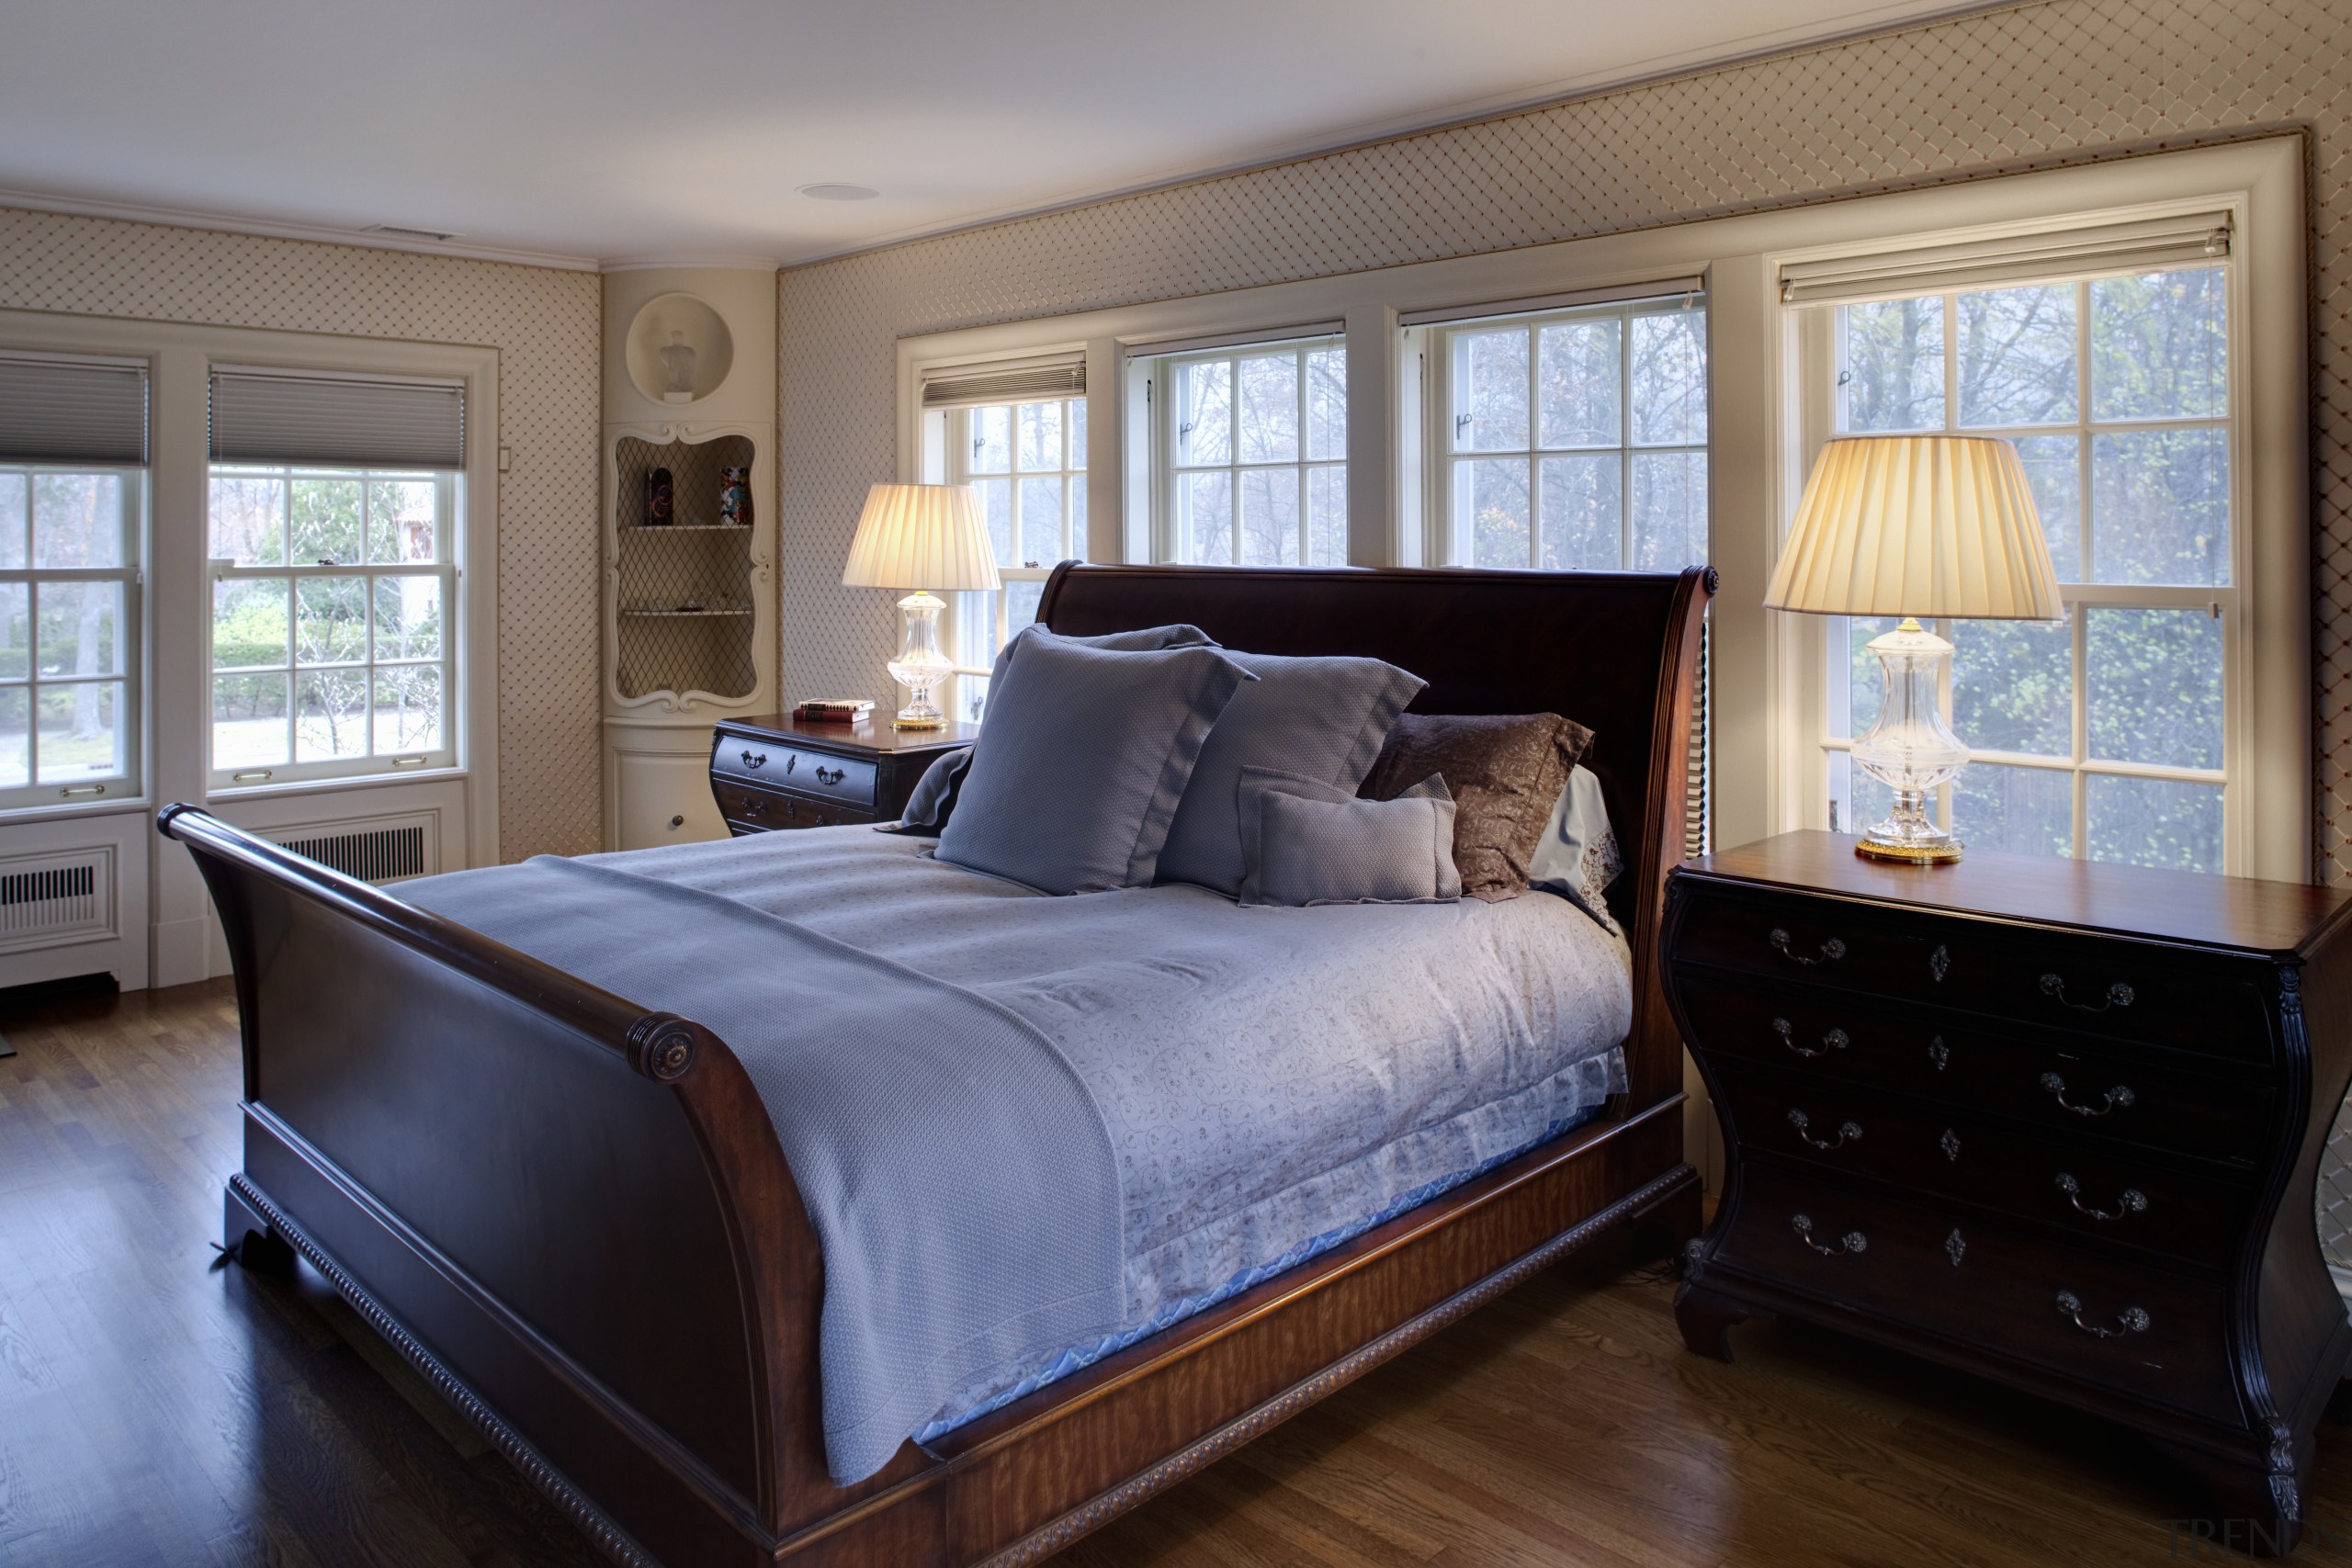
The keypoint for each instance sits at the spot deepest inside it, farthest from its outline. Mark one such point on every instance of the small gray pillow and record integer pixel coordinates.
(933, 799)
(1077, 774)
(1321, 718)
(1579, 855)
(1304, 841)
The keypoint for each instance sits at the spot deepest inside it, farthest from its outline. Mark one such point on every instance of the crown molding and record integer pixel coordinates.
(715, 261)
(270, 228)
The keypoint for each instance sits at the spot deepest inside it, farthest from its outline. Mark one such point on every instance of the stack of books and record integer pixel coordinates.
(834, 710)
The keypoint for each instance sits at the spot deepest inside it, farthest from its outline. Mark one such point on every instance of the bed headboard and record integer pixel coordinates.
(1616, 651)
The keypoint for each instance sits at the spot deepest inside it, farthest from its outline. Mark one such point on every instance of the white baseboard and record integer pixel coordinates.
(183, 951)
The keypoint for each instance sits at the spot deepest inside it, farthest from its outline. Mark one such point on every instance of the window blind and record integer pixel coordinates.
(1667, 289)
(59, 410)
(1333, 330)
(1031, 380)
(2191, 239)
(341, 421)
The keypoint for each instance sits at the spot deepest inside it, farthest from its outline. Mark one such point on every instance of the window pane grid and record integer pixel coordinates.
(1028, 461)
(1256, 466)
(69, 624)
(331, 630)
(1578, 439)
(2127, 447)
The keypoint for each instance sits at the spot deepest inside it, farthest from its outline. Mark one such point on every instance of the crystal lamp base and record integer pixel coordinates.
(1909, 748)
(920, 665)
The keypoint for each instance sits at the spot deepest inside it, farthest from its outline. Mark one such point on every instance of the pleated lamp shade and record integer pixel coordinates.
(1920, 526)
(921, 537)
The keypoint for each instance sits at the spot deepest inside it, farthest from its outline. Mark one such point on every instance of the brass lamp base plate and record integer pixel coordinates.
(919, 724)
(1942, 854)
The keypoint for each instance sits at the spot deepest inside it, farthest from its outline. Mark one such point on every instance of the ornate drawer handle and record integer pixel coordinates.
(1852, 1241)
(1833, 1040)
(2118, 995)
(755, 762)
(2133, 1320)
(1831, 950)
(1848, 1132)
(833, 778)
(2115, 1099)
(754, 805)
(1939, 1052)
(2133, 1200)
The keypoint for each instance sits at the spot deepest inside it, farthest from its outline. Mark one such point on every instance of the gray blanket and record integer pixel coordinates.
(958, 1172)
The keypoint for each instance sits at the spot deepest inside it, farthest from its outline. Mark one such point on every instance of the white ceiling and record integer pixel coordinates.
(682, 129)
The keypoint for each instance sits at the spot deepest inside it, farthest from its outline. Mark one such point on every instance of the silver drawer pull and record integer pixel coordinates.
(2131, 1320)
(1852, 1241)
(1939, 1052)
(2115, 1099)
(1831, 950)
(2118, 995)
(1833, 1040)
(1848, 1132)
(2133, 1200)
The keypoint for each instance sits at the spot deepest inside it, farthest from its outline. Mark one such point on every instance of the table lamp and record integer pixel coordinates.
(921, 537)
(1916, 525)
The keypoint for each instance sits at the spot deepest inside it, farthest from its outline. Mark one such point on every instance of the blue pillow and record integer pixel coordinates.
(1078, 772)
(933, 799)
(1304, 841)
(1579, 857)
(1179, 635)
(1321, 718)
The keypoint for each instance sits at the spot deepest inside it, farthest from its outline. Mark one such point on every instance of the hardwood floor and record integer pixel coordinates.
(157, 1409)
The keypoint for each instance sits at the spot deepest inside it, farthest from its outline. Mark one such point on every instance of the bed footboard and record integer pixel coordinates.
(570, 1213)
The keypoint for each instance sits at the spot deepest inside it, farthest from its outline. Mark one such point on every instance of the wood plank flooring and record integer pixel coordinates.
(156, 1409)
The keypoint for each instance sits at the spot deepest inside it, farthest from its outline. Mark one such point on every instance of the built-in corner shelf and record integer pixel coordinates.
(663, 653)
(723, 610)
(685, 528)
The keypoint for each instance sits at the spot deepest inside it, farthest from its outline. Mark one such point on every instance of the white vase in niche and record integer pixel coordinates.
(677, 370)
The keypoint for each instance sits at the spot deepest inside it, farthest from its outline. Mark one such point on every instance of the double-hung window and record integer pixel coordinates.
(1249, 450)
(332, 527)
(1571, 439)
(1028, 461)
(73, 504)
(2108, 736)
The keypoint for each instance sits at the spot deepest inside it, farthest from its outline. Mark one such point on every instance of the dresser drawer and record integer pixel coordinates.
(2136, 992)
(750, 810)
(2079, 1314)
(2095, 1089)
(2108, 1195)
(848, 781)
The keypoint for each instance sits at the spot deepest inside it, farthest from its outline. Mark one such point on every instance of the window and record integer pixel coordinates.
(72, 499)
(1028, 461)
(1250, 448)
(1573, 440)
(330, 622)
(2107, 735)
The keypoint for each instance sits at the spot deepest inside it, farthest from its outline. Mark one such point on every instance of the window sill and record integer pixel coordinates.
(285, 787)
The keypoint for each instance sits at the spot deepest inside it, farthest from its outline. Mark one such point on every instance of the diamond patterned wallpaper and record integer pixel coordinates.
(546, 325)
(2028, 86)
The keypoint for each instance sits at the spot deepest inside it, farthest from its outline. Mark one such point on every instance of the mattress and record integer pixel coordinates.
(1273, 1080)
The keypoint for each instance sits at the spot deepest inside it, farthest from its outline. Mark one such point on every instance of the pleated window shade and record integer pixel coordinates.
(2196, 239)
(336, 422)
(1021, 381)
(55, 409)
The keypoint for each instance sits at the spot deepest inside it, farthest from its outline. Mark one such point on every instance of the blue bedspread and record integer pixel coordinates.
(1270, 1080)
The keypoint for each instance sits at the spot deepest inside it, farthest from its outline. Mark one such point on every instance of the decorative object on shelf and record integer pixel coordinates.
(660, 499)
(735, 498)
(1913, 525)
(921, 537)
(677, 370)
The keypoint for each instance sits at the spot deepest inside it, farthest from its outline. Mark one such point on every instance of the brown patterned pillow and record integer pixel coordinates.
(1504, 771)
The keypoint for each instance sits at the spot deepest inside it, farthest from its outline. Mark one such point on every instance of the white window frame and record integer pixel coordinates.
(127, 782)
(1444, 462)
(1820, 353)
(1172, 464)
(443, 568)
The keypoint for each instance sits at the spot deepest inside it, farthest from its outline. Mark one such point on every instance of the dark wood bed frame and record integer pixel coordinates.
(573, 1218)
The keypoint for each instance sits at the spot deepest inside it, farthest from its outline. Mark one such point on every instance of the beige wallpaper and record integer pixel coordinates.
(546, 326)
(2024, 87)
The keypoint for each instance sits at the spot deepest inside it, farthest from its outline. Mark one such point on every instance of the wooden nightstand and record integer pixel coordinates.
(779, 772)
(2050, 1121)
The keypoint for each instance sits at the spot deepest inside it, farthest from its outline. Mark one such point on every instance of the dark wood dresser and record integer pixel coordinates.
(2050, 1121)
(779, 772)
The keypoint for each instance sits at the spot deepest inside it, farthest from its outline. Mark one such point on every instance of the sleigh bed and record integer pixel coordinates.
(573, 1215)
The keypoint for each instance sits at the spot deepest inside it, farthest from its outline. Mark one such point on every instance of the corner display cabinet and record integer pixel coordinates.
(689, 537)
